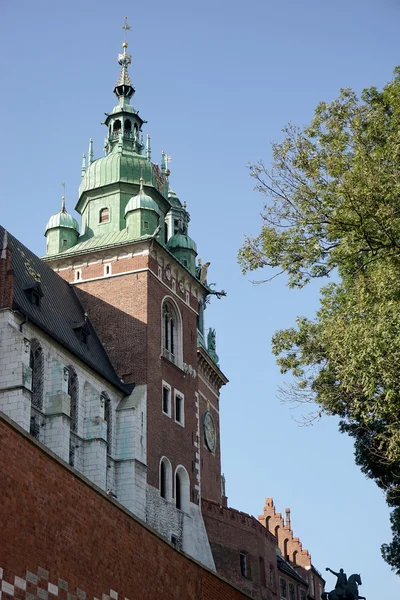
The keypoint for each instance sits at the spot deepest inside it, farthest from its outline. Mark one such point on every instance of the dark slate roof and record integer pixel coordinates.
(60, 312)
(284, 567)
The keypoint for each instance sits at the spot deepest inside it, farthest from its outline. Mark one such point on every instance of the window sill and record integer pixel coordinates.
(165, 355)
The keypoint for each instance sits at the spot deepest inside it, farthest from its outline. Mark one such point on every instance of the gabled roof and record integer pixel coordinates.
(285, 567)
(60, 312)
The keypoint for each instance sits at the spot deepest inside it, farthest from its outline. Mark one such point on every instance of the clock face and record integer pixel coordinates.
(209, 431)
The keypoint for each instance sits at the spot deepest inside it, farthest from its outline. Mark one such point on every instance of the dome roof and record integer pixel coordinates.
(173, 198)
(62, 219)
(180, 241)
(142, 200)
(121, 167)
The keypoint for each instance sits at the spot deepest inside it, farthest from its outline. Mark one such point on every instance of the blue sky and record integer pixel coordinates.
(216, 81)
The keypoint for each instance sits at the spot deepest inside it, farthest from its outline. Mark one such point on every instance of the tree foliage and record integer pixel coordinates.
(333, 206)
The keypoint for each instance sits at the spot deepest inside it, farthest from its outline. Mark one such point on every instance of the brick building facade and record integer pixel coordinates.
(105, 360)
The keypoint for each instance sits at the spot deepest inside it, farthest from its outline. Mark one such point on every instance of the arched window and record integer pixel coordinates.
(182, 489)
(267, 520)
(36, 363)
(171, 332)
(117, 125)
(285, 551)
(294, 560)
(104, 215)
(73, 391)
(127, 125)
(277, 534)
(108, 420)
(165, 479)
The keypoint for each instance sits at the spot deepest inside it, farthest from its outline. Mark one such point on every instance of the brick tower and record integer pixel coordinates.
(133, 267)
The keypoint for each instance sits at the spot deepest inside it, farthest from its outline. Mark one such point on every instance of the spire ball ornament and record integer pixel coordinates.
(123, 87)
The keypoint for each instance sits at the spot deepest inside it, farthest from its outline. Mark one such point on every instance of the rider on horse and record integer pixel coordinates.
(340, 587)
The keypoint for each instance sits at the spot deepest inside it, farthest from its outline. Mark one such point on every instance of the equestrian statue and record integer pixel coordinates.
(345, 589)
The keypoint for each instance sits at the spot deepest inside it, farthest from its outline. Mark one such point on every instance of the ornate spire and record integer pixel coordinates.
(148, 147)
(63, 210)
(123, 87)
(83, 168)
(90, 153)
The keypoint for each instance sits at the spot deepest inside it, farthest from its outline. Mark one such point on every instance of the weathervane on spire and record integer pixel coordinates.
(125, 59)
(125, 27)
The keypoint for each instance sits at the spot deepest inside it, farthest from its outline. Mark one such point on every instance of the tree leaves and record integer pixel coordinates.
(333, 204)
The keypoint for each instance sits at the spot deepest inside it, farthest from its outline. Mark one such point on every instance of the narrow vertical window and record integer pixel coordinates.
(36, 363)
(178, 491)
(179, 408)
(73, 392)
(166, 399)
(163, 480)
(182, 489)
(243, 564)
(282, 585)
(171, 335)
(104, 215)
(108, 420)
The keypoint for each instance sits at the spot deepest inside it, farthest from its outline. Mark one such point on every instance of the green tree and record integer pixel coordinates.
(333, 207)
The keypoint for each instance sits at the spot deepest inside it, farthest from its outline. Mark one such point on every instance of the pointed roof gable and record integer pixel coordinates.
(59, 312)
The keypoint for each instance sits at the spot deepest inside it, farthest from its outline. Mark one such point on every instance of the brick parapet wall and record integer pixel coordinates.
(232, 533)
(62, 536)
(240, 518)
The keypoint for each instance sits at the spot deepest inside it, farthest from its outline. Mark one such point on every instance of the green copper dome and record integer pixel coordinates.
(143, 201)
(62, 219)
(181, 241)
(122, 167)
(173, 198)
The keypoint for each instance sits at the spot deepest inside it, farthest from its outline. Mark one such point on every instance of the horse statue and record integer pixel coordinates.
(350, 590)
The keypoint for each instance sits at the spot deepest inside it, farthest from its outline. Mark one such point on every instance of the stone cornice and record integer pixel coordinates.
(210, 370)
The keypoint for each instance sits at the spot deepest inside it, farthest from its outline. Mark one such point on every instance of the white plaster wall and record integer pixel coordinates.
(194, 539)
(188, 528)
(89, 443)
(15, 374)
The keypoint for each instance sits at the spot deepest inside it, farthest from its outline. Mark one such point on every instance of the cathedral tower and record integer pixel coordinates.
(133, 267)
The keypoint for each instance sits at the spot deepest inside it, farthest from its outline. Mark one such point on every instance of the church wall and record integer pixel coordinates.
(86, 448)
(48, 511)
(117, 307)
(210, 461)
(231, 533)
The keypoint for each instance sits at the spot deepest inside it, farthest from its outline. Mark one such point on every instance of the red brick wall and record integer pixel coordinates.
(6, 281)
(231, 532)
(53, 520)
(210, 461)
(126, 313)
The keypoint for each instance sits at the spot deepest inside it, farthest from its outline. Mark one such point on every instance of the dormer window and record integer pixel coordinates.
(82, 332)
(34, 293)
(104, 215)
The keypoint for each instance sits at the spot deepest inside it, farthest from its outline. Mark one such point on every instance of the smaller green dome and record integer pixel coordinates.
(62, 219)
(142, 200)
(173, 198)
(181, 241)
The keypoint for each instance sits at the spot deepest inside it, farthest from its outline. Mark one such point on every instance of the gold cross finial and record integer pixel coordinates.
(126, 28)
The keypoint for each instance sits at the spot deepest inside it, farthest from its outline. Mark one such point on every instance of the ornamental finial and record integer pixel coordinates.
(125, 59)
(63, 199)
(124, 88)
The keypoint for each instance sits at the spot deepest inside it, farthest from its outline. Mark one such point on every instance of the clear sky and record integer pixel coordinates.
(216, 81)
